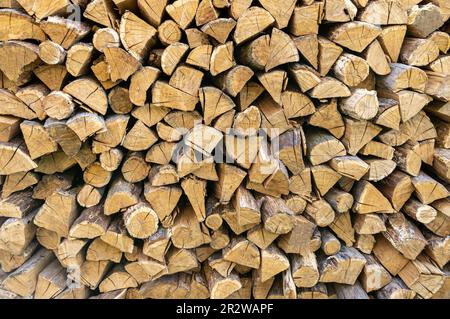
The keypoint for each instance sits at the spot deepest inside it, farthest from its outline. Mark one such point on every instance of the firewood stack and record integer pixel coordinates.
(224, 149)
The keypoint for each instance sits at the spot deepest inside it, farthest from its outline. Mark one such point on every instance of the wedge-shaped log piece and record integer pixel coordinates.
(136, 35)
(427, 189)
(139, 138)
(290, 150)
(221, 287)
(296, 104)
(273, 117)
(121, 64)
(276, 216)
(234, 80)
(156, 246)
(219, 29)
(273, 262)
(358, 133)
(410, 102)
(200, 56)
(377, 149)
(118, 278)
(242, 252)
(329, 88)
(64, 136)
(15, 158)
(230, 177)
(99, 250)
(88, 92)
(340, 10)
(404, 77)
(18, 182)
(51, 281)
(423, 20)
(305, 76)
(350, 166)
(90, 224)
(384, 13)
(281, 11)
(398, 188)
(404, 236)
(308, 46)
(214, 103)
(396, 289)
(261, 237)
(63, 31)
(14, 69)
(102, 12)
(322, 147)
(391, 40)
(361, 105)
(388, 256)
(165, 95)
(17, 233)
(203, 138)
(20, 26)
(355, 36)
(252, 21)
(248, 211)
(351, 69)
(222, 58)
(23, 280)
(306, 19)
(329, 52)
(117, 236)
(379, 169)
(368, 199)
(375, 57)
(152, 10)
(121, 195)
(187, 234)
(141, 81)
(195, 190)
(282, 50)
(418, 52)
(12, 105)
(344, 267)
(328, 117)
(321, 212)
(183, 11)
(64, 202)
(422, 276)
(181, 260)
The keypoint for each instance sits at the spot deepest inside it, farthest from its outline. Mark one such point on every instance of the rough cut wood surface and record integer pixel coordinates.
(225, 149)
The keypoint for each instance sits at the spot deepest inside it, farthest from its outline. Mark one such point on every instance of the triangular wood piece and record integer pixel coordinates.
(308, 46)
(274, 82)
(368, 199)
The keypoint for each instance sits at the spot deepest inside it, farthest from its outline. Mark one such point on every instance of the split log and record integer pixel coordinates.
(344, 267)
(23, 280)
(396, 289)
(422, 276)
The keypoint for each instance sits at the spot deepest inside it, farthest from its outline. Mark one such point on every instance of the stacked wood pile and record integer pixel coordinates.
(224, 149)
